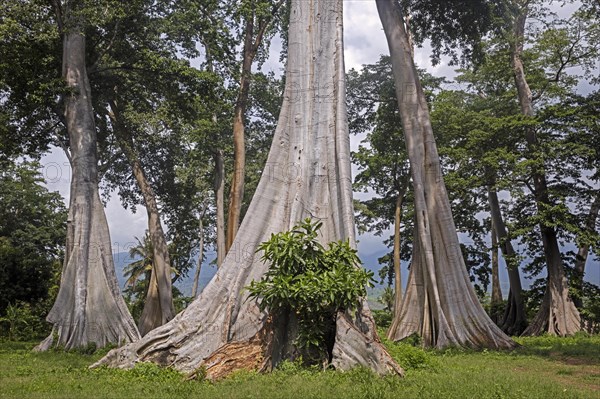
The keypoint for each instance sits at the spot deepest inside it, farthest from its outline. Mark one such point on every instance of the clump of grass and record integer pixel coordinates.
(410, 356)
(581, 345)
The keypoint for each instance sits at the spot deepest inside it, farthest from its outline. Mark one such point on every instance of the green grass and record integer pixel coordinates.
(543, 367)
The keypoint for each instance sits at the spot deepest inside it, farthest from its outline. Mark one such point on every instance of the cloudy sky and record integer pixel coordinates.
(364, 43)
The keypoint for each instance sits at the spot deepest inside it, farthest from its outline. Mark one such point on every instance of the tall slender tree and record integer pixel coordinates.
(89, 308)
(258, 19)
(496, 297)
(158, 308)
(558, 314)
(440, 304)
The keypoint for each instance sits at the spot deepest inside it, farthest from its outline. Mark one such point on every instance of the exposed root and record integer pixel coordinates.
(355, 347)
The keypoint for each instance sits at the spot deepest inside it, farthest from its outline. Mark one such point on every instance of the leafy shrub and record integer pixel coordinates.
(410, 355)
(590, 313)
(24, 322)
(312, 282)
(383, 318)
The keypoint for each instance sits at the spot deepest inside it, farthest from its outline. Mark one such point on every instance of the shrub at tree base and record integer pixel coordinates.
(312, 282)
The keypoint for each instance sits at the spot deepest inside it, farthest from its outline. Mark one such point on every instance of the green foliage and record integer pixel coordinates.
(32, 234)
(581, 345)
(590, 311)
(387, 298)
(411, 356)
(24, 321)
(310, 280)
(383, 318)
(137, 274)
(29, 78)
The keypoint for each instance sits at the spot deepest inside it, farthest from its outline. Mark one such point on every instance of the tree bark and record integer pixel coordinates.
(252, 44)
(158, 307)
(89, 308)
(220, 205)
(514, 320)
(440, 303)
(200, 250)
(557, 314)
(496, 300)
(397, 270)
(584, 249)
(307, 175)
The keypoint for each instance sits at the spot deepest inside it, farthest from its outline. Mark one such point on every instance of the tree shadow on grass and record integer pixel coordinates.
(579, 349)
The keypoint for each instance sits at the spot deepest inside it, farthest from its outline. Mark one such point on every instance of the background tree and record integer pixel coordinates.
(32, 236)
(259, 21)
(430, 308)
(137, 275)
(89, 307)
(30, 82)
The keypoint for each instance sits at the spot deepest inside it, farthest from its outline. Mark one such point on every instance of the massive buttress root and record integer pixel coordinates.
(307, 174)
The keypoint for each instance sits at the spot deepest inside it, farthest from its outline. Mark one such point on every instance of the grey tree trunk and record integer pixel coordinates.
(89, 308)
(440, 303)
(514, 320)
(397, 270)
(220, 205)
(252, 44)
(307, 175)
(219, 182)
(200, 250)
(584, 249)
(397, 242)
(496, 300)
(158, 307)
(557, 314)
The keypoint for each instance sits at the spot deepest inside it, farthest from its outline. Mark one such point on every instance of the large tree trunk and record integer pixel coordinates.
(557, 314)
(158, 307)
(583, 251)
(309, 177)
(514, 320)
(89, 308)
(220, 205)
(440, 303)
(397, 269)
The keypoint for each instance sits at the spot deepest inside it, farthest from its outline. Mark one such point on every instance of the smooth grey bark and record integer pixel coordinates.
(514, 320)
(557, 314)
(307, 175)
(584, 249)
(200, 249)
(220, 205)
(219, 181)
(89, 308)
(440, 303)
(252, 44)
(158, 307)
(496, 300)
(397, 271)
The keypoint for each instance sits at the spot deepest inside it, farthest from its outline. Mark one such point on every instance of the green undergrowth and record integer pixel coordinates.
(543, 367)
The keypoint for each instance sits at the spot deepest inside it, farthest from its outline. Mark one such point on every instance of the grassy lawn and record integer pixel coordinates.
(543, 367)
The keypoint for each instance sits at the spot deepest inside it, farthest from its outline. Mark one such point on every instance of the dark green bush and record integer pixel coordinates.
(383, 318)
(311, 281)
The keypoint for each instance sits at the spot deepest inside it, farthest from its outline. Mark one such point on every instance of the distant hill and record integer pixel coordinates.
(370, 262)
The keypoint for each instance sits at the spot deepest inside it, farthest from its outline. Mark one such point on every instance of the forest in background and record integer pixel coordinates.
(517, 134)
